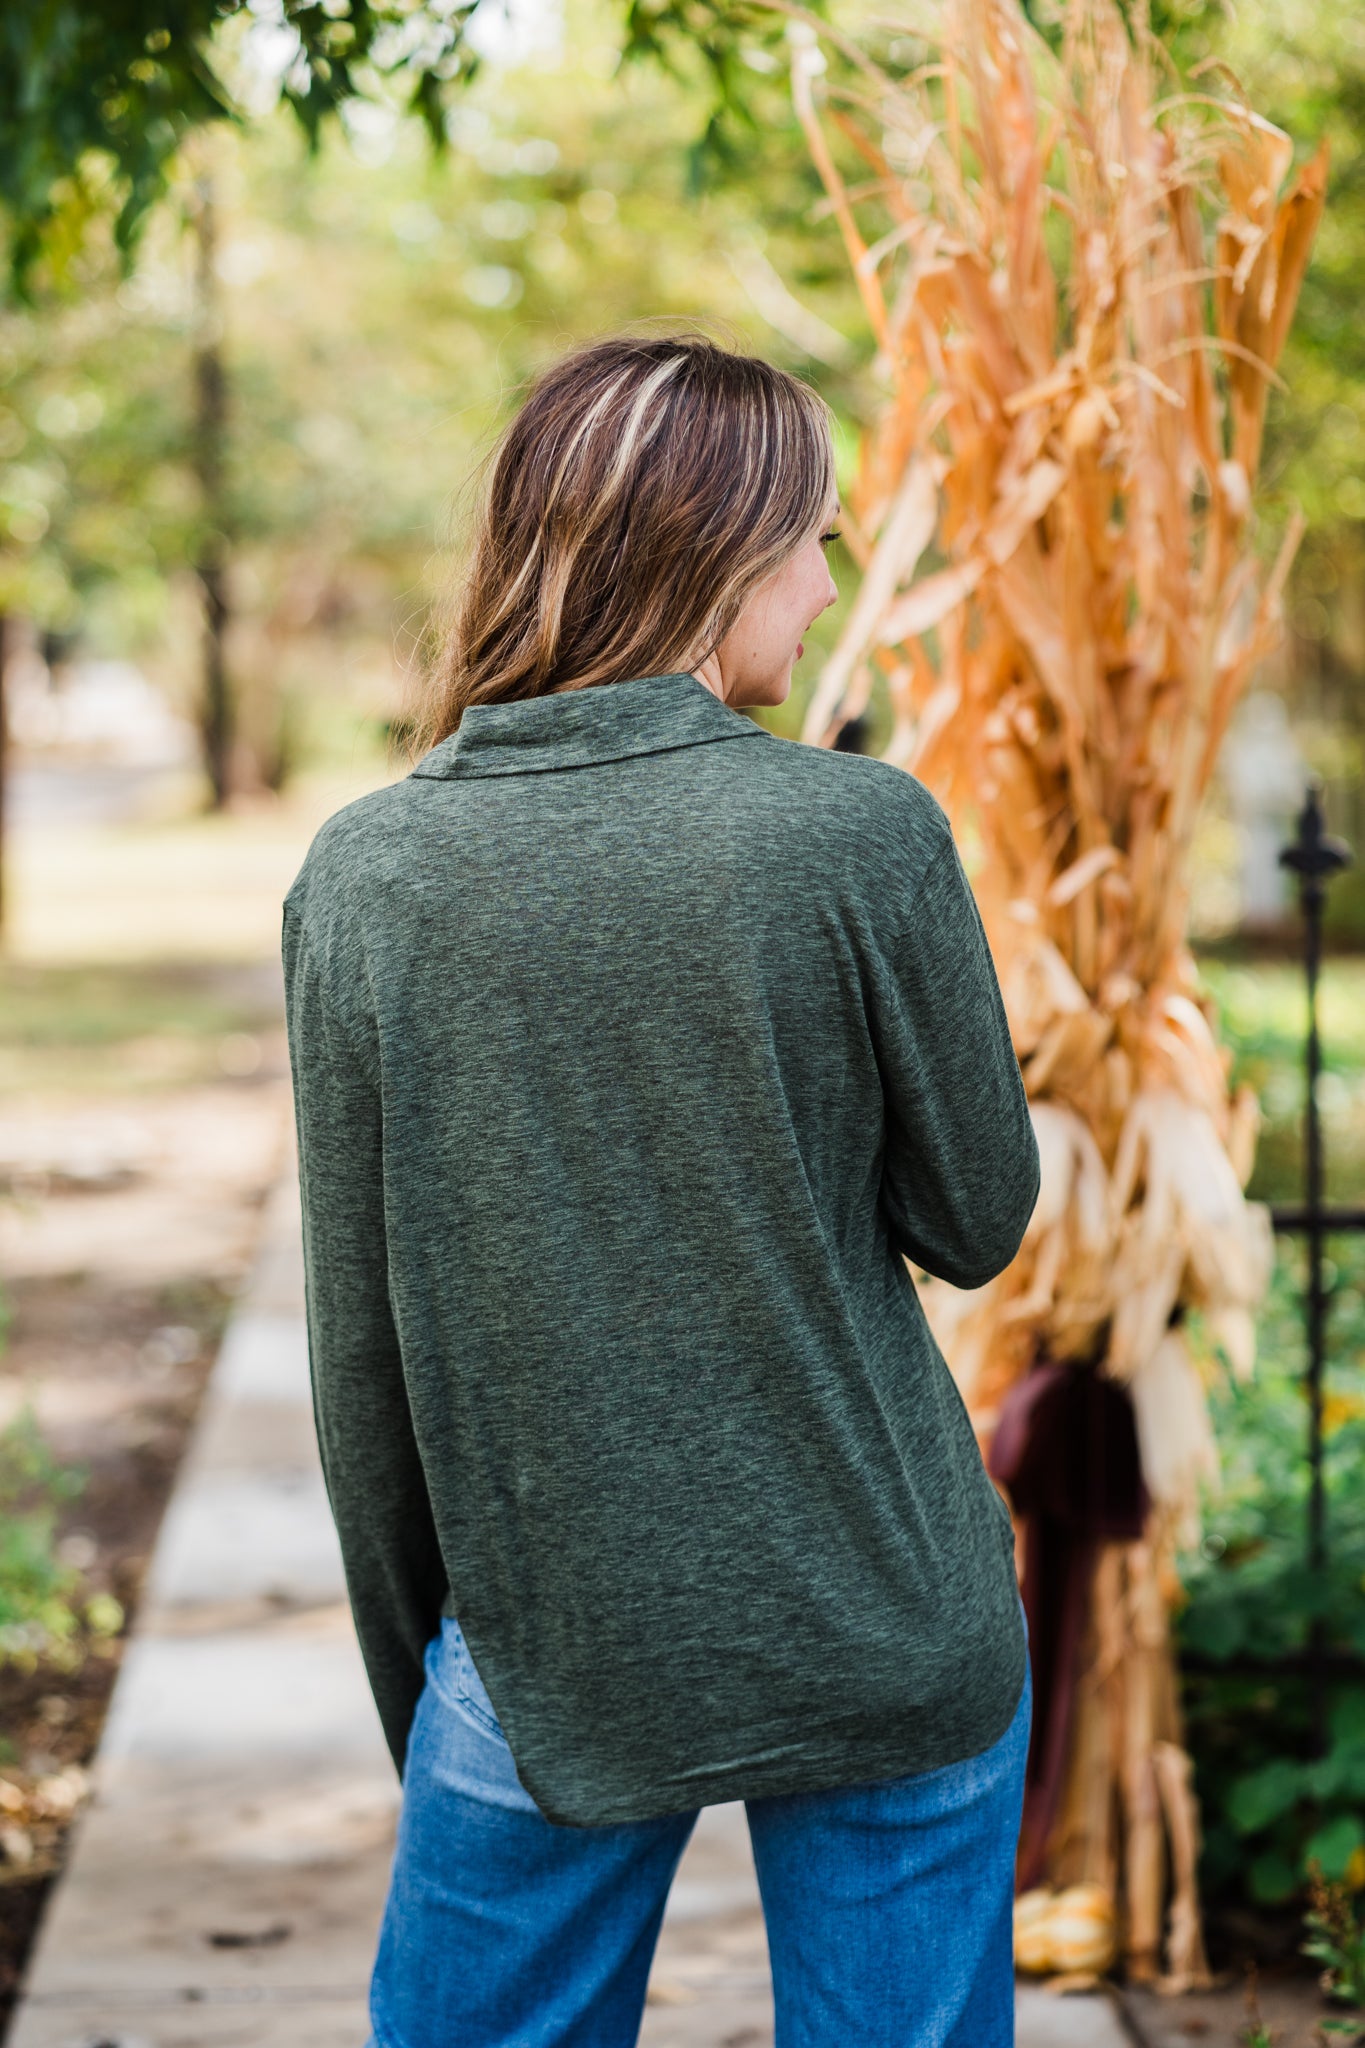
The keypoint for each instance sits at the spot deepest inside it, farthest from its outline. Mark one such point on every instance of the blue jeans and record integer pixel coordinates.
(888, 1905)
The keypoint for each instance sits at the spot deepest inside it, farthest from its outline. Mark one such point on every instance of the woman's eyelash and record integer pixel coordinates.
(826, 538)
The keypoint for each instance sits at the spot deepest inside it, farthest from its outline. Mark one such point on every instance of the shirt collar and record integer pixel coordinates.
(577, 728)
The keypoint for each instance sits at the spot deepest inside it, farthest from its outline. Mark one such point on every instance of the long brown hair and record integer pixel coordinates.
(643, 490)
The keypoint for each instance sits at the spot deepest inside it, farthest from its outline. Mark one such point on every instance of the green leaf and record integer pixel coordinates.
(1334, 1845)
(1350, 1766)
(77, 83)
(1265, 1795)
(1347, 1720)
(1222, 1629)
(1273, 1878)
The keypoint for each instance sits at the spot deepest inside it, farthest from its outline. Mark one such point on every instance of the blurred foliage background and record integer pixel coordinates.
(373, 306)
(370, 303)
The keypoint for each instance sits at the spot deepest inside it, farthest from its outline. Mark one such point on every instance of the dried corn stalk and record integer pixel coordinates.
(1079, 365)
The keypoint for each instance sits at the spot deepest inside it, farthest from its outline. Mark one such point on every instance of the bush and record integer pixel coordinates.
(39, 1614)
(1271, 1805)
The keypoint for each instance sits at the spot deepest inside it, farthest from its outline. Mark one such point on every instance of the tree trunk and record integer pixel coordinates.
(4, 780)
(211, 553)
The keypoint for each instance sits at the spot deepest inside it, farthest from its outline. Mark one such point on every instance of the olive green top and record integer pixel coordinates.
(635, 1052)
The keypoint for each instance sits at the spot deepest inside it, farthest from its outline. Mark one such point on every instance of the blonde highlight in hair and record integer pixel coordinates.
(644, 489)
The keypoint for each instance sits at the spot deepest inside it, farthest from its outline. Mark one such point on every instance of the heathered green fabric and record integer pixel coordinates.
(632, 1049)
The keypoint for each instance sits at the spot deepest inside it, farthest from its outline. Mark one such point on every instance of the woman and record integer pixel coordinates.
(635, 1052)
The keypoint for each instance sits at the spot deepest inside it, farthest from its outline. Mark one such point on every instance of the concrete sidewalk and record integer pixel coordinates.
(227, 1879)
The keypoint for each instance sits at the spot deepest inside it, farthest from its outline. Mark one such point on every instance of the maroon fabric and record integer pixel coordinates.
(1065, 1448)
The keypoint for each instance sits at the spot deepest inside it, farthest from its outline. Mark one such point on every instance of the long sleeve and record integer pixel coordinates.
(961, 1166)
(373, 1472)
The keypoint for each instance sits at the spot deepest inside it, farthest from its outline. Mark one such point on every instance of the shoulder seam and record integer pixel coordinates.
(947, 846)
(325, 982)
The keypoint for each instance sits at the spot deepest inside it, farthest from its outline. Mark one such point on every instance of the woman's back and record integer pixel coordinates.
(633, 1048)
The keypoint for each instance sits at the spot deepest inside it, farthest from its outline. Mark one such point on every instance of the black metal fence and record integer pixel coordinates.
(1314, 856)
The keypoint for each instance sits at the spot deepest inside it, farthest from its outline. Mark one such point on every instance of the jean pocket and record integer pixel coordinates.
(464, 1682)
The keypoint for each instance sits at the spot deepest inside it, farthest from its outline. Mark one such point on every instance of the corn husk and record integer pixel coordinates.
(1079, 278)
(1065, 1934)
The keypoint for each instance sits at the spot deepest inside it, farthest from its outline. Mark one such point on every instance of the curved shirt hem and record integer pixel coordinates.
(846, 1765)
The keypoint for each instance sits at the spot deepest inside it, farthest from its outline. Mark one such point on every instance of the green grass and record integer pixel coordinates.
(128, 1026)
